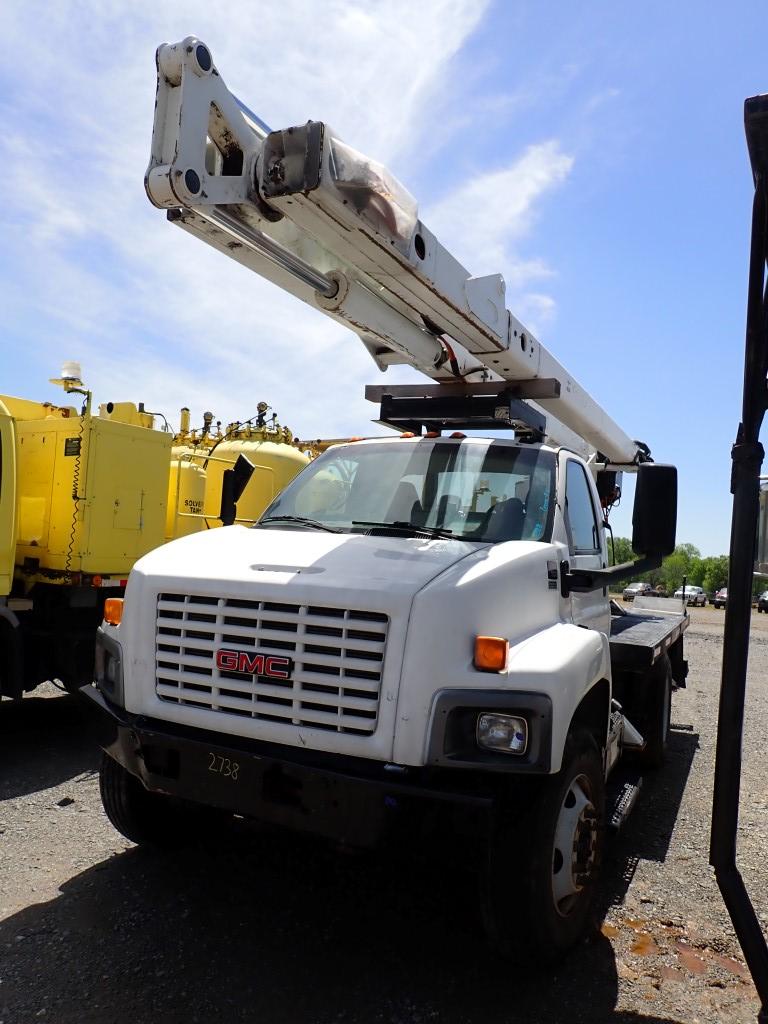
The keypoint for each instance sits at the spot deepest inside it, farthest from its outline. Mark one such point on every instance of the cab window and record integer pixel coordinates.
(583, 531)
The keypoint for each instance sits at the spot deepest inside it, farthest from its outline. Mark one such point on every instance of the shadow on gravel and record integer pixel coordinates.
(43, 742)
(270, 928)
(648, 831)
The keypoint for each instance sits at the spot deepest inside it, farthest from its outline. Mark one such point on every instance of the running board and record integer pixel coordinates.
(624, 802)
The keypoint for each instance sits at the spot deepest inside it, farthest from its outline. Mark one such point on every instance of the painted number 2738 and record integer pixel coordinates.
(223, 766)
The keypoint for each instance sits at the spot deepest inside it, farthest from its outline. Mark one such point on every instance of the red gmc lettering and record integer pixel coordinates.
(226, 660)
(274, 666)
(251, 663)
(279, 668)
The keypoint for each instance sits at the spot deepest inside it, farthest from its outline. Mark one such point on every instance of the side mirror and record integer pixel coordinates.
(233, 484)
(654, 517)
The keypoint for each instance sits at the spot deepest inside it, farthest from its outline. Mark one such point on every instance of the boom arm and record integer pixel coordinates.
(335, 229)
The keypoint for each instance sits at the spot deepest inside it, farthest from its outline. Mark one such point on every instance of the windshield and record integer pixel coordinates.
(486, 491)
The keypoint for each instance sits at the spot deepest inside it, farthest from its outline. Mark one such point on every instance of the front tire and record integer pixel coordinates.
(143, 817)
(544, 857)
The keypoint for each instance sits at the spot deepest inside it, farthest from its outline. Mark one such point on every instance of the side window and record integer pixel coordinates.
(579, 512)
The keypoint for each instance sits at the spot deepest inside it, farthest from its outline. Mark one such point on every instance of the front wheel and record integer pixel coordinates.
(149, 818)
(543, 859)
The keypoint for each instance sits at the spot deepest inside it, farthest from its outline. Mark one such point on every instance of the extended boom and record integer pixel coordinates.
(333, 227)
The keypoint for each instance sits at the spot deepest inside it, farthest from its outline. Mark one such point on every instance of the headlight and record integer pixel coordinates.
(504, 733)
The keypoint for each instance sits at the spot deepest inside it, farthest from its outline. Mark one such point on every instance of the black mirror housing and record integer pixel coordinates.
(654, 517)
(233, 484)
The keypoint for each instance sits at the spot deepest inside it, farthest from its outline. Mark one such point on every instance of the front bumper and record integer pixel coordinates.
(349, 800)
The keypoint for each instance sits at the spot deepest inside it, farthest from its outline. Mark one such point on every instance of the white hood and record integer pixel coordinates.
(310, 558)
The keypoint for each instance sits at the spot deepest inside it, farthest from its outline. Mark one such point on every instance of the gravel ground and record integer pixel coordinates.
(255, 925)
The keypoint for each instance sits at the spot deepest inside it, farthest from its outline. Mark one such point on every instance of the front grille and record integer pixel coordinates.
(337, 654)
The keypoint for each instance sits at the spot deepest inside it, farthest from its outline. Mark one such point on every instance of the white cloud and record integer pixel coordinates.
(483, 220)
(494, 209)
(151, 312)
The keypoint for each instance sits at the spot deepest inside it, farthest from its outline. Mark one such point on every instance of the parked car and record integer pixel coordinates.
(693, 595)
(762, 602)
(635, 590)
(720, 600)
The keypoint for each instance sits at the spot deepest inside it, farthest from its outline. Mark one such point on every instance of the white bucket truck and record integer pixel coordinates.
(416, 620)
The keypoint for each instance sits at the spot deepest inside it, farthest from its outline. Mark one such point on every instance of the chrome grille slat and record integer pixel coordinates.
(337, 654)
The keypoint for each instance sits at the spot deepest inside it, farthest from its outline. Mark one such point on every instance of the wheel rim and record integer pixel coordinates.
(575, 847)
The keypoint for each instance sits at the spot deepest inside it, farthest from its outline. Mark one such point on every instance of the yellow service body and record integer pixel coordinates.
(91, 490)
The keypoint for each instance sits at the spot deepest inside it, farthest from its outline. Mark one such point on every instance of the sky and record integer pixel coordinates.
(593, 154)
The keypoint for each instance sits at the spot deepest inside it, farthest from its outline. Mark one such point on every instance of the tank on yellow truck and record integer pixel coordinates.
(269, 447)
(186, 484)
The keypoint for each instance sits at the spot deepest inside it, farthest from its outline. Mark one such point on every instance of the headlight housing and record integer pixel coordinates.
(108, 668)
(507, 734)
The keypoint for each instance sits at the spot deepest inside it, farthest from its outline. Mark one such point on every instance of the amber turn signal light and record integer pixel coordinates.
(113, 610)
(491, 653)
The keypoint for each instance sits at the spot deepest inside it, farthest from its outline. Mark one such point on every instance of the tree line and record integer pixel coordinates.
(711, 572)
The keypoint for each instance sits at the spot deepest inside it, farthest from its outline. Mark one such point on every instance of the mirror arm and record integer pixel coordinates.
(581, 581)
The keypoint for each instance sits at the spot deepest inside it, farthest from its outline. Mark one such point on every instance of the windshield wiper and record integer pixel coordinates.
(411, 528)
(313, 523)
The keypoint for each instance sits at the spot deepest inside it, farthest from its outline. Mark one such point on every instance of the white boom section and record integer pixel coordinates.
(320, 220)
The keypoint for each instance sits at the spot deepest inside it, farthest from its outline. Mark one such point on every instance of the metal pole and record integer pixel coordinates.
(271, 250)
(747, 456)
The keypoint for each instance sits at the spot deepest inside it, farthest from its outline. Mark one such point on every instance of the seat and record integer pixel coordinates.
(405, 506)
(505, 521)
(448, 508)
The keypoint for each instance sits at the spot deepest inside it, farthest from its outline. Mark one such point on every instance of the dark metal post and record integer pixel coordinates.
(747, 456)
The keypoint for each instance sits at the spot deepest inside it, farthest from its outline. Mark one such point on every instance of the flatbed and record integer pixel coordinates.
(639, 639)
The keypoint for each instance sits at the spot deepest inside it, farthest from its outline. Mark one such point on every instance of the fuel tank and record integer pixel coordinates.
(186, 493)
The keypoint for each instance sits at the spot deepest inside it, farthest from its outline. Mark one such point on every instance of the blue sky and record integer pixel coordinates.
(592, 153)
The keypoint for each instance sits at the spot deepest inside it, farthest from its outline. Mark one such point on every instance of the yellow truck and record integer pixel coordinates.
(85, 494)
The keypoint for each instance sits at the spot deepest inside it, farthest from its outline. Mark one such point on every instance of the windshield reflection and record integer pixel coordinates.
(485, 491)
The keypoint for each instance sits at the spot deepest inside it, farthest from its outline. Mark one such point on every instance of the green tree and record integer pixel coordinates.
(696, 571)
(622, 551)
(679, 564)
(716, 573)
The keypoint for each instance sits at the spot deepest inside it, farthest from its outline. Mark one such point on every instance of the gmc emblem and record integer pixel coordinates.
(271, 665)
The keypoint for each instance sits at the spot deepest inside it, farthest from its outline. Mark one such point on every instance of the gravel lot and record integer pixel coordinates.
(259, 926)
